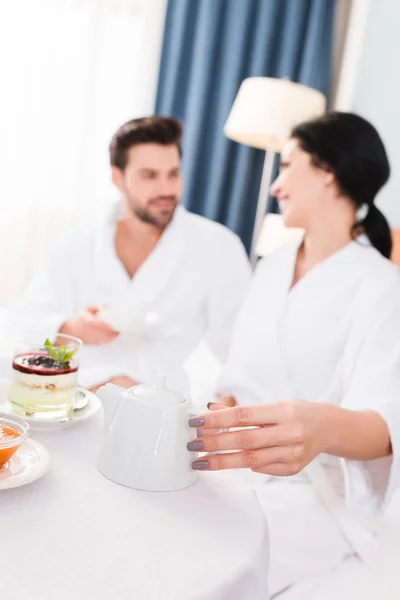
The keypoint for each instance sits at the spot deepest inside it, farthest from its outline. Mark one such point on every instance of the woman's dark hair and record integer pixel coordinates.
(165, 131)
(350, 147)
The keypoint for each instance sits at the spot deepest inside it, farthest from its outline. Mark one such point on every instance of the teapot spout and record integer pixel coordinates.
(110, 396)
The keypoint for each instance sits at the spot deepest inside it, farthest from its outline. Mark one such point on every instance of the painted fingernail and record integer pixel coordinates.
(195, 446)
(197, 422)
(200, 465)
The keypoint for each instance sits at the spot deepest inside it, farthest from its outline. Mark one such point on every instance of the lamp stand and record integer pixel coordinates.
(262, 202)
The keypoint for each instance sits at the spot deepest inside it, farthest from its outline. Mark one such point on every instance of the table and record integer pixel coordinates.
(75, 534)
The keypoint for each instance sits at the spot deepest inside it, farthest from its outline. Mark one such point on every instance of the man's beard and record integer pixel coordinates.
(159, 219)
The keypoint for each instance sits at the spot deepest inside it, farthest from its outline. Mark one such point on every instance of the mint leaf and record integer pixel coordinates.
(51, 351)
(59, 354)
(70, 354)
(61, 351)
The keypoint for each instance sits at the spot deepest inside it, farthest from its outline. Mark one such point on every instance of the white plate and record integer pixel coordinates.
(28, 464)
(41, 423)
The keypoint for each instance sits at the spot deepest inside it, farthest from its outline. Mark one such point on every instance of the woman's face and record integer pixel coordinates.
(300, 187)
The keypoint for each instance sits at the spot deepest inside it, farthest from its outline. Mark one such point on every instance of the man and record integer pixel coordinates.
(181, 276)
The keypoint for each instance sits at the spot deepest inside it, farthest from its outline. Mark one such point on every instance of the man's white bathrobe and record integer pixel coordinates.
(192, 285)
(334, 337)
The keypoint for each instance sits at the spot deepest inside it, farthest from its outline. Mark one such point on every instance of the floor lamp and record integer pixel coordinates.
(263, 114)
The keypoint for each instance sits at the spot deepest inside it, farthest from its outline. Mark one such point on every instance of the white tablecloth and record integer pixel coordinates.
(74, 534)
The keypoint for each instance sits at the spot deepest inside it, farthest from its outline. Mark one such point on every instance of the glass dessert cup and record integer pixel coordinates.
(13, 431)
(44, 378)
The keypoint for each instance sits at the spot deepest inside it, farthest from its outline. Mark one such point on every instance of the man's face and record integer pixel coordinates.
(151, 182)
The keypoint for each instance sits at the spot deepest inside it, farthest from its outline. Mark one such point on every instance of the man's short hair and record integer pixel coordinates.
(147, 130)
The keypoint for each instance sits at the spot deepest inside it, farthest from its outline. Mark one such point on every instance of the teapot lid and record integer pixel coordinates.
(157, 393)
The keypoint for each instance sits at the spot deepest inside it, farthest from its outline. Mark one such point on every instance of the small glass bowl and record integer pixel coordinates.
(9, 446)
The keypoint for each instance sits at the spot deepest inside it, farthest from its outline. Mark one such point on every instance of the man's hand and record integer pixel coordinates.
(87, 327)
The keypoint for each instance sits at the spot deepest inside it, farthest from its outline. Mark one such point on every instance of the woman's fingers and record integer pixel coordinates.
(239, 416)
(211, 406)
(216, 406)
(271, 439)
(243, 439)
(251, 459)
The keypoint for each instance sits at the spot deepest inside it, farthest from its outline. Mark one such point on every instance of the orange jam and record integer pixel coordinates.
(6, 435)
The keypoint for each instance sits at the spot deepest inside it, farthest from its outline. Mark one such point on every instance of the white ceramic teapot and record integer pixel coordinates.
(146, 432)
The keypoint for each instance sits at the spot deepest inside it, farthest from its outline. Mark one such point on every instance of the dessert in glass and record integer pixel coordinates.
(13, 431)
(44, 378)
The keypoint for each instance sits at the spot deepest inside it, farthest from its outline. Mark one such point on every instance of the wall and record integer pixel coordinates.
(377, 91)
(59, 109)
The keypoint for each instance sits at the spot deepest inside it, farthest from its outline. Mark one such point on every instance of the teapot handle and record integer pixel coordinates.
(112, 395)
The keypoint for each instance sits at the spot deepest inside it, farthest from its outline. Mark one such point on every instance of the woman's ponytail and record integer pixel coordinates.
(377, 229)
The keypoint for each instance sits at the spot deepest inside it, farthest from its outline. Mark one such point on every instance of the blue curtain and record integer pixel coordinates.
(209, 47)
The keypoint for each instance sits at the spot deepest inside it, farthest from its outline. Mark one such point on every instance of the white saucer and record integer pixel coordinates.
(28, 464)
(40, 423)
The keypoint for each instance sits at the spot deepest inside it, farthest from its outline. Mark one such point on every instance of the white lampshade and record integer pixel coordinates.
(274, 234)
(265, 111)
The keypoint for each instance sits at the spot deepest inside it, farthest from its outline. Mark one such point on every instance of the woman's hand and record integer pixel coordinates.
(277, 439)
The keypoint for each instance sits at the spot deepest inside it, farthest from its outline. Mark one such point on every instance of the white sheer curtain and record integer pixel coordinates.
(71, 72)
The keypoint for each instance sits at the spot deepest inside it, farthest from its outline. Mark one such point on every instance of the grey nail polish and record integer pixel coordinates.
(200, 465)
(195, 446)
(197, 422)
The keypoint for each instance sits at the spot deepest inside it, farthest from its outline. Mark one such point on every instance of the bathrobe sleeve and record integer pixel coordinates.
(372, 382)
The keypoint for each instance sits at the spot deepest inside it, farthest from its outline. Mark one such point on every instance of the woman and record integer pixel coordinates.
(314, 363)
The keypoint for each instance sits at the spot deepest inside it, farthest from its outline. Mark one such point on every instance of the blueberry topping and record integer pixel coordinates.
(45, 362)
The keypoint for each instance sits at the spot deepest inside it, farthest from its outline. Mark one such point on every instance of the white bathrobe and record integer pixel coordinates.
(333, 337)
(192, 283)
